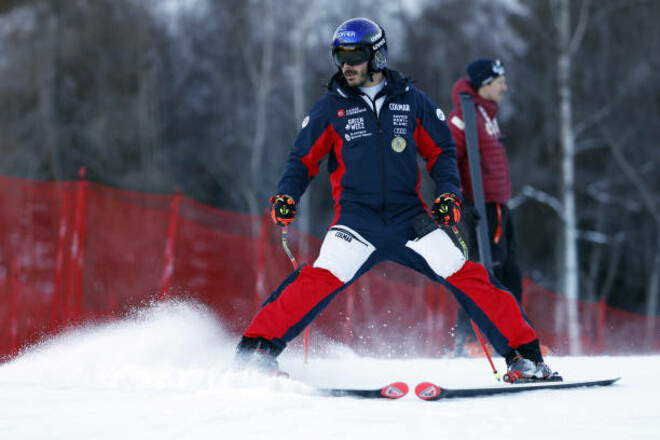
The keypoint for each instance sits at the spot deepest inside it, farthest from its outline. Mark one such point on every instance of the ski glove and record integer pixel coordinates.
(447, 209)
(283, 209)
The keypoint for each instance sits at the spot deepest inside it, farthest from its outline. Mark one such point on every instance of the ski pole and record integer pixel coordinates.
(474, 326)
(285, 245)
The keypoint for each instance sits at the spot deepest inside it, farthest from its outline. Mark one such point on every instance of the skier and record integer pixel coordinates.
(486, 84)
(372, 123)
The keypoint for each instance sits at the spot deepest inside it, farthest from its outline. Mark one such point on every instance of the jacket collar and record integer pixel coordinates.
(463, 85)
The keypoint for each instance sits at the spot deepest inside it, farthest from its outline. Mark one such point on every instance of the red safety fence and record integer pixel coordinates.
(75, 252)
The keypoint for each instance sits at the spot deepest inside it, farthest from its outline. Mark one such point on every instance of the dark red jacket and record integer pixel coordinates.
(494, 165)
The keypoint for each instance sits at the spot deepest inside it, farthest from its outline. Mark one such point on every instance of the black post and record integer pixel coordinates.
(469, 115)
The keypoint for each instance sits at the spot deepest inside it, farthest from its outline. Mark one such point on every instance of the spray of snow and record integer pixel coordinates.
(165, 372)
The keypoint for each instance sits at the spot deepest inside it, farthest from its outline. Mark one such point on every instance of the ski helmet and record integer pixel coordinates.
(358, 40)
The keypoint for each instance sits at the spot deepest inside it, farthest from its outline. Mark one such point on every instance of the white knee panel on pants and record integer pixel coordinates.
(439, 252)
(343, 252)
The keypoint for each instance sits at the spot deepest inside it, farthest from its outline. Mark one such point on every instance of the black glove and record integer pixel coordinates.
(447, 209)
(283, 209)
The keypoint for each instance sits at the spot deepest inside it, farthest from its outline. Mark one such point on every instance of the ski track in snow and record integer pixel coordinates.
(164, 373)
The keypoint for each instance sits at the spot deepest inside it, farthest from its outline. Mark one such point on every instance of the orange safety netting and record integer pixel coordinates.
(74, 252)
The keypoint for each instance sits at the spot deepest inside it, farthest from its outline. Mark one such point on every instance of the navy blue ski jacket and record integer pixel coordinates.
(373, 158)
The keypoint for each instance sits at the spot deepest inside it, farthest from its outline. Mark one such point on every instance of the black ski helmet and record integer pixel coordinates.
(358, 40)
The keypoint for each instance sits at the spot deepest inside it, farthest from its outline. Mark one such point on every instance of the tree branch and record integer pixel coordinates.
(581, 28)
(645, 192)
(529, 192)
(595, 118)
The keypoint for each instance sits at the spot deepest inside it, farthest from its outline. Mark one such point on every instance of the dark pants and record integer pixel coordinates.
(503, 253)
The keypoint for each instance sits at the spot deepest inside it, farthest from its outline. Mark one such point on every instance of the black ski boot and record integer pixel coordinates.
(258, 354)
(525, 364)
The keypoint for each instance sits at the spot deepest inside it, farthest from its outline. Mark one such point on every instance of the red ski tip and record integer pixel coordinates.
(427, 391)
(395, 390)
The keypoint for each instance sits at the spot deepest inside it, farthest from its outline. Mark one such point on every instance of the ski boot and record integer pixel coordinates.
(521, 370)
(260, 355)
(525, 364)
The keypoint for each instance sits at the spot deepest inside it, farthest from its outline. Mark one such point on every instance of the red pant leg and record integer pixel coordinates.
(291, 306)
(499, 307)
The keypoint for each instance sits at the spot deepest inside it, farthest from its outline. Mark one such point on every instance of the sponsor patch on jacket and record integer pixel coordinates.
(490, 128)
(458, 122)
(399, 107)
(355, 129)
(398, 144)
(341, 113)
(400, 120)
(305, 121)
(355, 111)
(440, 114)
(355, 124)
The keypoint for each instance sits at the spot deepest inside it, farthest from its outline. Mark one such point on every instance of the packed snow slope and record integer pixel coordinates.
(164, 373)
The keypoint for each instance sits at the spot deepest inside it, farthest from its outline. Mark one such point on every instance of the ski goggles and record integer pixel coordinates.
(351, 55)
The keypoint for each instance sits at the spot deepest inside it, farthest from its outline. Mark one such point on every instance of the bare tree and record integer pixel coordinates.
(47, 108)
(648, 197)
(260, 77)
(569, 43)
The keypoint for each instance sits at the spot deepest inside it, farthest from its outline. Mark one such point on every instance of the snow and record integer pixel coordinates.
(164, 373)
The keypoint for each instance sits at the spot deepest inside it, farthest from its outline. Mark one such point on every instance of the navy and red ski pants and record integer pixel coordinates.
(360, 239)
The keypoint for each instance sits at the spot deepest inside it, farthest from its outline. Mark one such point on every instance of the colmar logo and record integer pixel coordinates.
(399, 107)
(344, 236)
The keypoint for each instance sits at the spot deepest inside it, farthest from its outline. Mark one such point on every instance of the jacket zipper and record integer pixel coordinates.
(382, 156)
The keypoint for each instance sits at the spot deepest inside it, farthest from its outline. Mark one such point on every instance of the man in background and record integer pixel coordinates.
(486, 84)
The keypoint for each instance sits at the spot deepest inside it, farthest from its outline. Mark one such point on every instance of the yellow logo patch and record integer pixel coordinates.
(398, 144)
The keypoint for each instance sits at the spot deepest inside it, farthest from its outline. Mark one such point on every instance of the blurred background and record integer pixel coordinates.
(208, 95)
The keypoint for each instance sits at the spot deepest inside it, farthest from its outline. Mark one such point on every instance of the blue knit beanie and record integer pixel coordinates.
(483, 71)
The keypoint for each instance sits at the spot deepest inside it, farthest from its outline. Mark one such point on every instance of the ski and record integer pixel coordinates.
(430, 391)
(394, 390)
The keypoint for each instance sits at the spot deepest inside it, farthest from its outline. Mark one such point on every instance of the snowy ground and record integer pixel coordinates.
(163, 374)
